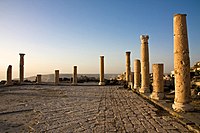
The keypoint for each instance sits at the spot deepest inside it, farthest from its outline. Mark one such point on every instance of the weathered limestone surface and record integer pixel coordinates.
(56, 77)
(181, 65)
(158, 86)
(128, 68)
(87, 109)
(9, 75)
(39, 78)
(75, 76)
(21, 68)
(101, 82)
(137, 70)
(144, 64)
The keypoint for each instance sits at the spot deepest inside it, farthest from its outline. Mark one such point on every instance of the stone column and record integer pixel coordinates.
(158, 85)
(21, 68)
(101, 82)
(137, 70)
(75, 76)
(181, 65)
(39, 78)
(9, 75)
(144, 64)
(130, 83)
(56, 77)
(128, 69)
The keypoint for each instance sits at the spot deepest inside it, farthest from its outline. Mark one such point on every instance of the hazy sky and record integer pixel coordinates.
(57, 34)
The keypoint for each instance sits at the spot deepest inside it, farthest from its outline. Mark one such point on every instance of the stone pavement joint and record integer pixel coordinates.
(81, 109)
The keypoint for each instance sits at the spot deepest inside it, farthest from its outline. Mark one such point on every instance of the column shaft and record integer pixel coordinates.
(56, 77)
(137, 70)
(128, 69)
(21, 68)
(158, 86)
(75, 76)
(181, 65)
(101, 82)
(144, 64)
(39, 78)
(9, 75)
(131, 80)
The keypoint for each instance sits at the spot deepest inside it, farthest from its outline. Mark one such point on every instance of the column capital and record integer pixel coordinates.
(136, 60)
(21, 54)
(128, 52)
(180, 14)
(157, 65)
(144, 38)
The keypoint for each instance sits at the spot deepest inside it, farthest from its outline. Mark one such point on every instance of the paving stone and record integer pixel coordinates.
(179, 126)
(162, 121)
(173, 131)
(151, 131)
(129, 127)
(147, 125)
(86, 109)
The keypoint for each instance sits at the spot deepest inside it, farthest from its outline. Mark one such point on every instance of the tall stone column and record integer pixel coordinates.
(39, 78)
(128, 68)
(158, 85)
(75, 76)
(137, 70)
(9, 75)
(56, 77)
(21, 68)
(144, 64)
(181, 65)
(101, 82)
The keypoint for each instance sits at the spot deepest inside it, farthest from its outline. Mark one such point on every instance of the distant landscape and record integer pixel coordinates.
(50, 77)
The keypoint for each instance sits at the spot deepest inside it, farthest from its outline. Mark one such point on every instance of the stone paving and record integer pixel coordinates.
(87, 109)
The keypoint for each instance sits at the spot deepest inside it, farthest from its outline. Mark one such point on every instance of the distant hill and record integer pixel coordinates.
(50, 77)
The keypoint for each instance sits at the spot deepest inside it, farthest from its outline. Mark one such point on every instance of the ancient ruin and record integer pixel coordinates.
(137, 70)
(21, 68)
(158, 86)
(101, 82)
(144, 64)
(128, 68)
(75, 80)
(131, 80)
(181, 65)
(9, 75)
(39, 78)
(56, 77)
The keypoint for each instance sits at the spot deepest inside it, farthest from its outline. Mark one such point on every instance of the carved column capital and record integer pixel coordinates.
(144, 38)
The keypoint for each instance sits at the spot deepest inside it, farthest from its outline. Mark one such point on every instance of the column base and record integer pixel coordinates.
(144, 90)
(182, 107)
(21, 83)
(8, 83)
(157, 95)
(130, 85)
(38, 83)
(136, 87)
(101, 83)
(74, 84)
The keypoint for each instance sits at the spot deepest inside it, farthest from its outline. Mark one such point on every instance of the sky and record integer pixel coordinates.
(58, 34)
